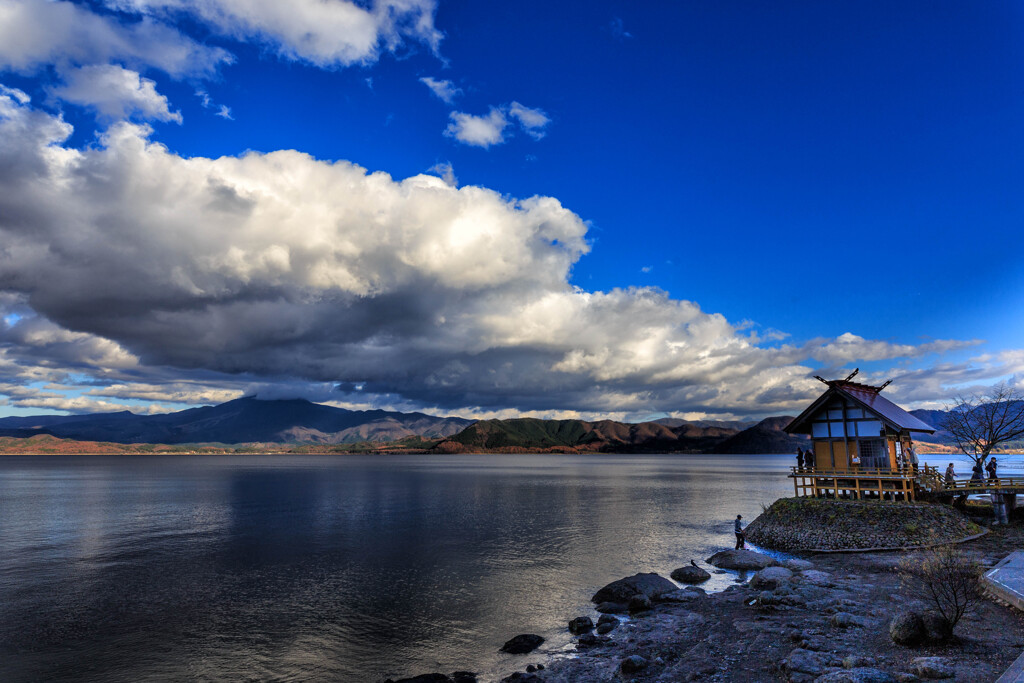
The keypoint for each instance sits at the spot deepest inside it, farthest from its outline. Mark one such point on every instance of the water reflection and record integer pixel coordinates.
(350, 568)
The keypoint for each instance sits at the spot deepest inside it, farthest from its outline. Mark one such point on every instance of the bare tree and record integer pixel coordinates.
(945, 577)
(980, 422)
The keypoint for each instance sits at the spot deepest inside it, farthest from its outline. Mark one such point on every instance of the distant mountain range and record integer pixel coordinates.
(244, 420)
(531, 434)
(307, 426)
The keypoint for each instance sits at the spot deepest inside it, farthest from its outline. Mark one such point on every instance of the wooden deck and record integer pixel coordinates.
(893, 485)
(858, 484)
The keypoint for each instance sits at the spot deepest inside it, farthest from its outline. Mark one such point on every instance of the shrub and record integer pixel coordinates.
(945, 577)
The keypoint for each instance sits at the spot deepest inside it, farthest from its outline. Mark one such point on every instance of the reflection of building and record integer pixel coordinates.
(853, 427)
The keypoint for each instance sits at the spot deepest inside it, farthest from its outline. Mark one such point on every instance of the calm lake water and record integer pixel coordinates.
(344, 568)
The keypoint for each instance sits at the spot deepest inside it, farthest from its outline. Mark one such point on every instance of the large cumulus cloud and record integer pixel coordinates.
(280, 267)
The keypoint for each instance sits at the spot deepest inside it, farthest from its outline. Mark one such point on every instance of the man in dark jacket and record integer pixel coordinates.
(739, 533)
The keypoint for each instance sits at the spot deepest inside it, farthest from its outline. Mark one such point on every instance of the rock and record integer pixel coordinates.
(907, 678)
(632, 664)
(741, 559)
(770, 577)
(857, 662)
(765, 598)
(858, 675)
(932, 667)
(581, 625)
(531, 668)
(797, 565)
(808, 662)
(690, 574)
(588, 640)
(651, 585)
(606, 624)
(639, 603)
(612, 608)
(463, 677)
(523, 643)
(684, 595)
(907, 628)
(816, 577)
(520, 677)
(936, 627)
(847, 620)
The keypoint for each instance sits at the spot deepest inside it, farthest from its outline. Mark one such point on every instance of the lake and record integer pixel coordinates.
(349, 568)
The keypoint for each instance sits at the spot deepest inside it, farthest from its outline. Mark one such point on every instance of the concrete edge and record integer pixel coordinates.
(823, 551)
(1015, 673)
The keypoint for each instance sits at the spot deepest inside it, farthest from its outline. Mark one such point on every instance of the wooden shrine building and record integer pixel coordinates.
(859, 439)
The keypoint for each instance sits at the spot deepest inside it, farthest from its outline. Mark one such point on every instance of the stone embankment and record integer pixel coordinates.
(811, 524)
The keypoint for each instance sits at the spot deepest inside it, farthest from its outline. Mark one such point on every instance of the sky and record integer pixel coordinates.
(574, 209)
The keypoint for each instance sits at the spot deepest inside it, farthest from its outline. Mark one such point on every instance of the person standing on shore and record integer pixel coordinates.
(740, 538)
(799, 459)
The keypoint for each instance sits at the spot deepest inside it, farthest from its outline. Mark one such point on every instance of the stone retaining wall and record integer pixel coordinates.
(827, 524)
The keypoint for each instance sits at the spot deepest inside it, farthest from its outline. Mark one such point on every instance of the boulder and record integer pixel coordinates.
(632, 664)
(741, 559)
(606, 624)
(463, 677)
(907, 628)
(680, 596)
(581, 625)
(612, 608)
(651, 585)
(937, 628)
(522, 644)
(639, 603)
(858, 675)
(769, 578)
(932, 667)
(690, 574)
(424, 678)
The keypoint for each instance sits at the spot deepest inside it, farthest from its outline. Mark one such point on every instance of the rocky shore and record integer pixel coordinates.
(827, 618)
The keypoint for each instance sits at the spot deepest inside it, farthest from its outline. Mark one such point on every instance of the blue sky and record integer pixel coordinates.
(207, 199)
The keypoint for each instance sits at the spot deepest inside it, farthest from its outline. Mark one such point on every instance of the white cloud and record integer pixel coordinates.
(34, 34)
(225, 113)
(138, 267)
(485, 131)
(444, 90)
(533, 121)
(446, 173)
(116, 93)
(326, 34)
(479, 131)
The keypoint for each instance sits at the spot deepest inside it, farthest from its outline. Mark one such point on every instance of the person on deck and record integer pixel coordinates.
(976, 473)
(809, 459)
(991, 469)
(739, 533)
(950, 476)
(912, 458)
(799, 459)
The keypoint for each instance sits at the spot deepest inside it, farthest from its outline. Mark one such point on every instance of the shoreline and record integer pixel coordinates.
(829, 622)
